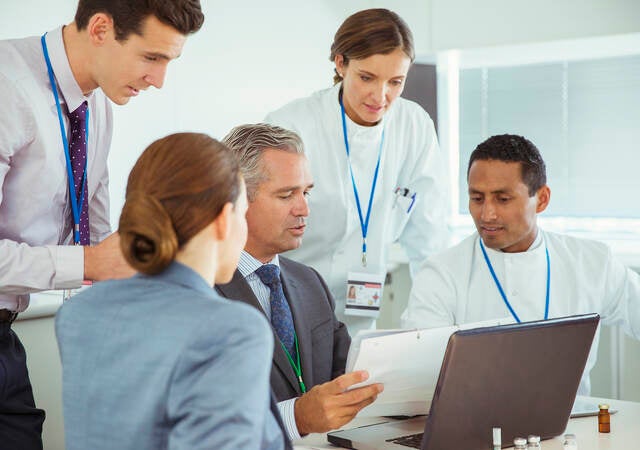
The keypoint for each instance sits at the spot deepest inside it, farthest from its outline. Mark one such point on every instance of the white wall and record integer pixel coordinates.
(249, 58)
(469, 23)
(253, 56)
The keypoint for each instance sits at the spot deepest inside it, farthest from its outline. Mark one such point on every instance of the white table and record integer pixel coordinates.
(625, 431)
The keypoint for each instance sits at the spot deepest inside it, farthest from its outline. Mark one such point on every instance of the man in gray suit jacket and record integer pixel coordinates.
(311, 344)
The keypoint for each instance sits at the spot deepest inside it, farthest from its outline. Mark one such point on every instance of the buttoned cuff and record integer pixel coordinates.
(287, 412)
(69, 265)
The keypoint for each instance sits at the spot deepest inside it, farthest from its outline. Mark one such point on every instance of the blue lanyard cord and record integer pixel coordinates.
(504, 297)
(364, 222)
(76, 205)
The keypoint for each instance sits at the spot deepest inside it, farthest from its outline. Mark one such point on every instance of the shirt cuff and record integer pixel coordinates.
(69, 265)
(287, 412)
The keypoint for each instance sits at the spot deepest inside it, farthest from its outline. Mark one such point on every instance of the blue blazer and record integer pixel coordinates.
(162, 362)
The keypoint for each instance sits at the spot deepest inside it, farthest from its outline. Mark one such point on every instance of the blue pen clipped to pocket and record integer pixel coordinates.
(403, 204)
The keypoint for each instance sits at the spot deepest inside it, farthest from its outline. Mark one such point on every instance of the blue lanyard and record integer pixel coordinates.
(76, 204)
(504, 297)
(364, 222)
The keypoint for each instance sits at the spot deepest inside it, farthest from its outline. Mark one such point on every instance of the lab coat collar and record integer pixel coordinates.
(534, 249)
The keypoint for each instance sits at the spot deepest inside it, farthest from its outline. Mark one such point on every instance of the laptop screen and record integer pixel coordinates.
(522, 378)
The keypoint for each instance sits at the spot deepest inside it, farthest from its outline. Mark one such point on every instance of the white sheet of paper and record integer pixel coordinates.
(406, 362)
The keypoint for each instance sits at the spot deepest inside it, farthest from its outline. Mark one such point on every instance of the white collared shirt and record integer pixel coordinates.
(35, 214)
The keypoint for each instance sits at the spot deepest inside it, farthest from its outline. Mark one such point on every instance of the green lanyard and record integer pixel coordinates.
(297, 368)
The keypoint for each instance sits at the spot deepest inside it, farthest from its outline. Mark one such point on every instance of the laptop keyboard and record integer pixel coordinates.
(413, 440)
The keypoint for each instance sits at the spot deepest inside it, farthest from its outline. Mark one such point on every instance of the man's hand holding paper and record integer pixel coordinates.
(330, 405)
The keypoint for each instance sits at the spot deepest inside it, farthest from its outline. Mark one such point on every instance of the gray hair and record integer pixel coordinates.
(250, 140)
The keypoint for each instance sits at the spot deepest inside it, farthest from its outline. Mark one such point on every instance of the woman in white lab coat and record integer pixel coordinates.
(379, 173)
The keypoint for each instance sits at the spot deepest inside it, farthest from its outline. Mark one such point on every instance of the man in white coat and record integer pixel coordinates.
(511, 267)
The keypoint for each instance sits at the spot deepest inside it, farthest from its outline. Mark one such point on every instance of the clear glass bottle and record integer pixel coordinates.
(533, 442)
(520, 443)
(570, 442)
(497, 438)
(604, 419)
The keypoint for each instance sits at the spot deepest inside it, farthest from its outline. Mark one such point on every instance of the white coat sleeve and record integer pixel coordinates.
(427, 231)
(622, 297)
(23, 268)
(283, 120)
(432, 301)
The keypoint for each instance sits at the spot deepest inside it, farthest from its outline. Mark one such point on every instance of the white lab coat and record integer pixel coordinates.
(456, 287)
(411, 158)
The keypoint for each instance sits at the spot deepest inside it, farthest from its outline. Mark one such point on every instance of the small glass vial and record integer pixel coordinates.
(497, 438)
(533, 442)
(604, 419)
(520, 443)
(570, 442)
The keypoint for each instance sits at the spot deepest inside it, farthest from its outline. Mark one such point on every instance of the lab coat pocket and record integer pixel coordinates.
(403, 206)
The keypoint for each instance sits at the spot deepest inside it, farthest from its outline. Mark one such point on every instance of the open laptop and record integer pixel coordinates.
(522, 378)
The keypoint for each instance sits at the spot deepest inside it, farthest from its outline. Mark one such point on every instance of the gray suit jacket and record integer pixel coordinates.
(322, 339)
(163, 362)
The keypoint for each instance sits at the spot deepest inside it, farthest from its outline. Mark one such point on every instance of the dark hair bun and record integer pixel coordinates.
(147, 237)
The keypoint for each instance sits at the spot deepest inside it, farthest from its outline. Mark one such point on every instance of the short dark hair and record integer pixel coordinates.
(514, 148)
(184, 15)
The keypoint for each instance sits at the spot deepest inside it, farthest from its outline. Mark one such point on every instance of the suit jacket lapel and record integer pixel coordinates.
(239, 289)
(295, 297)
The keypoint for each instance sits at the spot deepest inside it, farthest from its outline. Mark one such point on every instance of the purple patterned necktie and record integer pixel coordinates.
(281, 317)
(78, 155)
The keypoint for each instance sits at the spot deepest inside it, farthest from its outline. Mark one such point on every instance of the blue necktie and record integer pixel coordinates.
(281, 317)
(78, 155)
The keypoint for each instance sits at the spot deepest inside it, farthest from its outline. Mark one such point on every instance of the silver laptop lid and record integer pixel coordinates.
(522, 378)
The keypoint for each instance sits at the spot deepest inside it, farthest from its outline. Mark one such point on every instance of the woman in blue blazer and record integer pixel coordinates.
(160, 361)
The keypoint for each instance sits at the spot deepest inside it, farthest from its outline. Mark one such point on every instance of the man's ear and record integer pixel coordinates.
(222, 223)
(99, 28)
(543, 196)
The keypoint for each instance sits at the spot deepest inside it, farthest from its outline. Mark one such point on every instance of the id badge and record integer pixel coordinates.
(364, 294)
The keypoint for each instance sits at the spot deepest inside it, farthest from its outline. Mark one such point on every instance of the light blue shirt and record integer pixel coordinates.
(247, 266)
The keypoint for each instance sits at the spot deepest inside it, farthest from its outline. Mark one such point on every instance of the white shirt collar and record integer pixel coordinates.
(71, 93)
(248, 264)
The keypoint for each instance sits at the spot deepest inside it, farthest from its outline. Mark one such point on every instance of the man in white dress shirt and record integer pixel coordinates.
(511, 267)
(111, 51)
